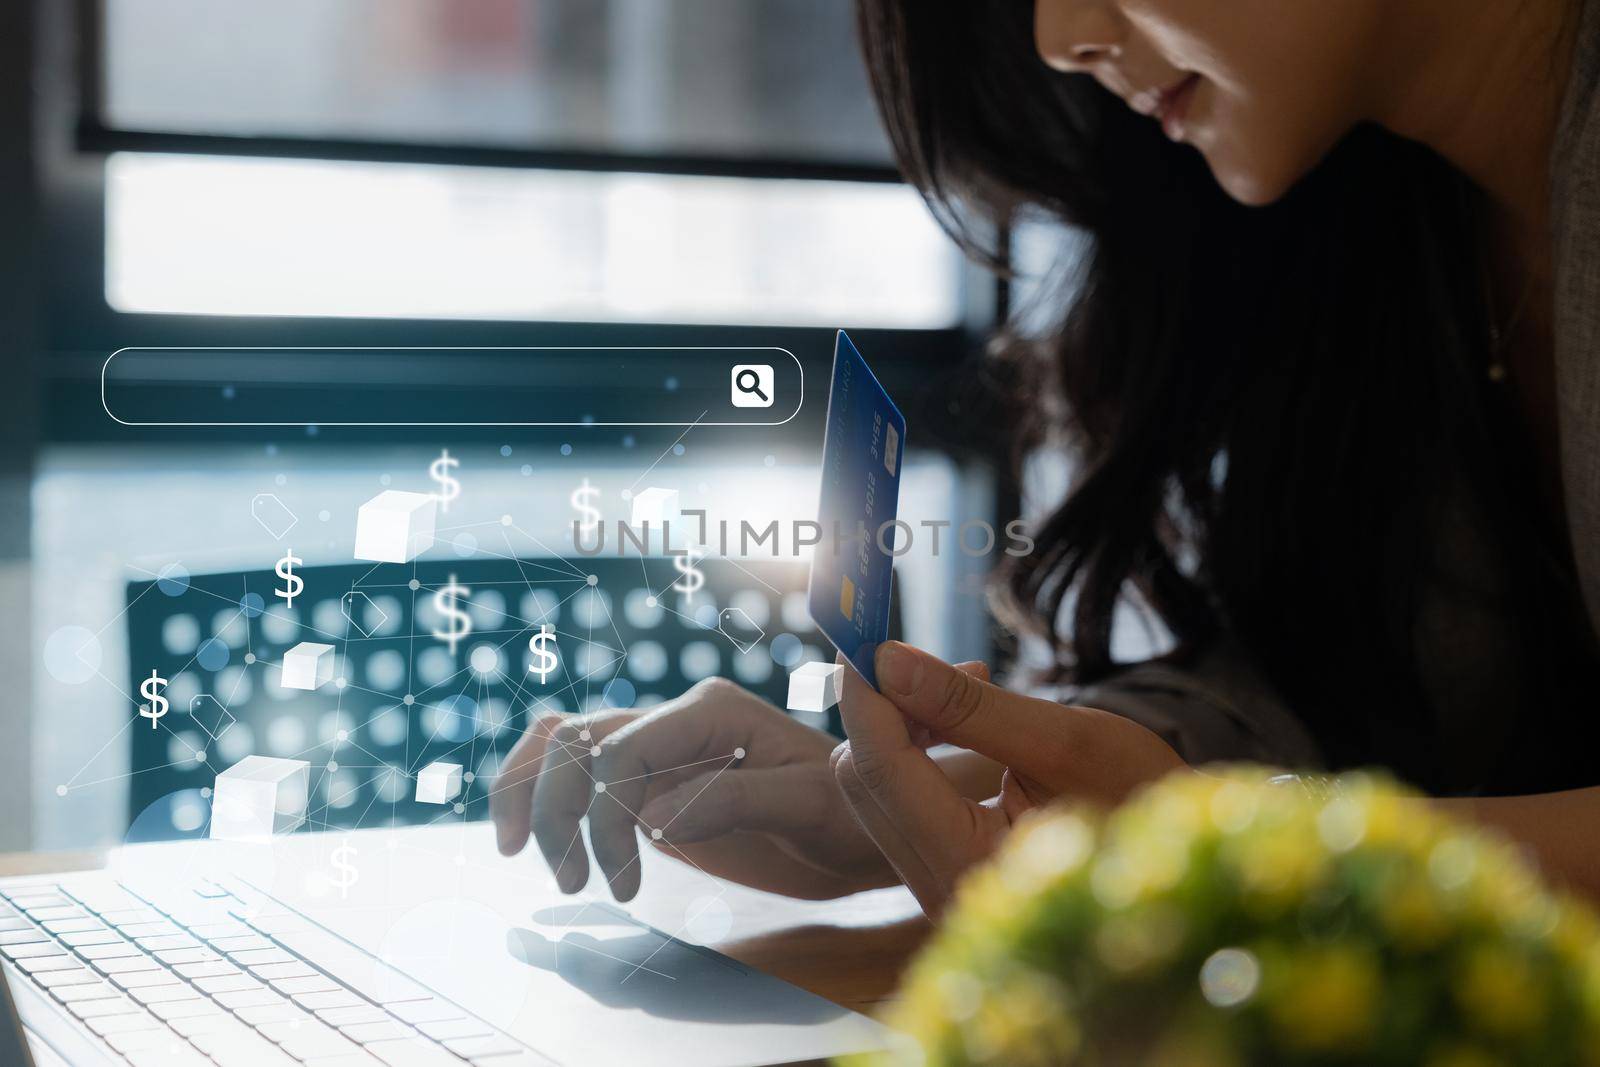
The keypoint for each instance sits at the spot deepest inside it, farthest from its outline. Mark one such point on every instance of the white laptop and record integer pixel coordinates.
(401, 947)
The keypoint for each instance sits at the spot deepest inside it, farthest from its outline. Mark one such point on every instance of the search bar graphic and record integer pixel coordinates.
(452, 386)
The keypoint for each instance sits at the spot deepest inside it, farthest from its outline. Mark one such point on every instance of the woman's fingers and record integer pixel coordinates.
(1050, 748)
(511, 799)
(904, 802)
(1029, 735)
(563, 792)
(778, 800)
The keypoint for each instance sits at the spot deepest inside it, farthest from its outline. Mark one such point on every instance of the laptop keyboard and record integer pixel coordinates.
(226, 975)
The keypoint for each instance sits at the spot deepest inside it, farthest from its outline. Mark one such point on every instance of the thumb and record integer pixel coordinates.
(959, 706)
(763, 799)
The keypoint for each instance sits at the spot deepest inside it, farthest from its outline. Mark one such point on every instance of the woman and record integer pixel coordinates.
(1332, 366)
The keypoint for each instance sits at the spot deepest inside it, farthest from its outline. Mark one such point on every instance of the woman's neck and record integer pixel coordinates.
(1481, 83)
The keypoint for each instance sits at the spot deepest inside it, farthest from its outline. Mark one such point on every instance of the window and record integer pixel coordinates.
(245, 236)
(775, 78)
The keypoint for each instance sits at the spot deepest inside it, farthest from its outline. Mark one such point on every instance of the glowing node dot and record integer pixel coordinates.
(408, 700)
(469, 777)
(599, 787)
(249, 657)
(627, 494)
(341, 682)
(343, 735)
(738, 753)
(655, 835)
(594, 579)
(459, 810)
(583, 735)
(505, 520)
(333, 765)
(205, 791)
(200, 756)
(594, 750)
(324, 515)
(61, 790)
(649, 601)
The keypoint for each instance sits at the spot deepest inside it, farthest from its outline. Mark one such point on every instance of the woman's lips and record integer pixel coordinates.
(1173, 105)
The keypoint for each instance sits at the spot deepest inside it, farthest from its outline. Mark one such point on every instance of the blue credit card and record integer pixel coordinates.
(861, 452)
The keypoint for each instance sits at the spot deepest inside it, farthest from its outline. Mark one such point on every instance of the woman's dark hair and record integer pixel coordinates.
(1271, 408)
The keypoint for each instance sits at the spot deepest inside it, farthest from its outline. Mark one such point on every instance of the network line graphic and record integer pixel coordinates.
(623, 632)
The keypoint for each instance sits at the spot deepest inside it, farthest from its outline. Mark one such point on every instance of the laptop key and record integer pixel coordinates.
(251, 956)
(251, 999)
(448, 1028)
(40, 964)
(317, 1045)
(140, 979)
(206, 969)
(89, 1009)
(474, 1048)
(363, 1013)
(431, 1010)
(220, 1023)
(109, 950)
(125, 964)
(186, 1009)
(166, 1058)
(163, 994)
(242, 1048)
(280, 1011)
(168, 943)
(72, 926)
(85, 991)
(340, 998)
(77, 974)
(103, 936)
(272, 972)
(413, 1054)
(314, 983)
(387, 1030)
(32, 950)
(116, 1024)
(227, 983)
(24, 935)
(175, 956)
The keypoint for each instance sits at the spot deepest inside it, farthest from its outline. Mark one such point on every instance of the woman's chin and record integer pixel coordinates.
(1252, 185)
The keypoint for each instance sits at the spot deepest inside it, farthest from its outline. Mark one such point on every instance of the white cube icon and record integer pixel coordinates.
(259, 796)
(438, 783)
(655, 506)
(814, 687)
(395, 527)
(307, 665)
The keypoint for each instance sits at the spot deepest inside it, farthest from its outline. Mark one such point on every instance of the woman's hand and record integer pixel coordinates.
(735, 786)
(927, 830)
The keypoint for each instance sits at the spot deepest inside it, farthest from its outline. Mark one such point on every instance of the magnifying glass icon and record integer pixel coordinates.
(752, 380)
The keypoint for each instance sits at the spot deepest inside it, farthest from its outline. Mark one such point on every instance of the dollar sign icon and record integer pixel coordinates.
(439, 471)
(542, 645)
(294, 585)
(693, 580)
(348, 875)
(583, 500)
(447, 602)
(150, 689)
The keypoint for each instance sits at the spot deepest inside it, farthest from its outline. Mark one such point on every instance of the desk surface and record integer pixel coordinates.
(852, 964)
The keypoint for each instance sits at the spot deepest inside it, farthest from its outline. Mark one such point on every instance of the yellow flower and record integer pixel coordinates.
(1327, 1000)
(1500, 991)
(1458, 1055)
